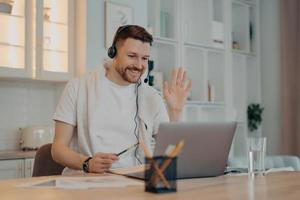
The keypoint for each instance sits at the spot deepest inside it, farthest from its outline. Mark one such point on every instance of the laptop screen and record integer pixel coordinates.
(206, 149)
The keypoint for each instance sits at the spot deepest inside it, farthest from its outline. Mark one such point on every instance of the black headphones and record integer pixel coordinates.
(150, 68)
(112, 50)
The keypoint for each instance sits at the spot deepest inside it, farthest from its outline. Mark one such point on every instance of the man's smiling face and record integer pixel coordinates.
(131, 60)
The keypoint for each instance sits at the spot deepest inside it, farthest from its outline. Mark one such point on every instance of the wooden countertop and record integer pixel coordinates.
(16, 154)
(273, 186)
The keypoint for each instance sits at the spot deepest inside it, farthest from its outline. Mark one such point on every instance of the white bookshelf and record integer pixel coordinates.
(163, 18)
(246, 66)
(200, 38)
(195, 59)
(165, 55)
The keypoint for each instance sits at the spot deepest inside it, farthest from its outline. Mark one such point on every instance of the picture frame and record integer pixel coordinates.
(115, 15)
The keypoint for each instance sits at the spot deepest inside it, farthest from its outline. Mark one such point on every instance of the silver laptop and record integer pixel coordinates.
(206, 148)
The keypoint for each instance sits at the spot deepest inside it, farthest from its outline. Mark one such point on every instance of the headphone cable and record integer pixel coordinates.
(136, 129)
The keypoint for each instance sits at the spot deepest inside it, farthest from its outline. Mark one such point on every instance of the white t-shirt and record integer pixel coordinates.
(104, 112)
(116, 125)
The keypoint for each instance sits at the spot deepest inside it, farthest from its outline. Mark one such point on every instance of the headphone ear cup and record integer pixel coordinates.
(112, 51)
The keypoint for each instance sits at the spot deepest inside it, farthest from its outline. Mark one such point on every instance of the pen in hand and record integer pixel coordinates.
(118, 154)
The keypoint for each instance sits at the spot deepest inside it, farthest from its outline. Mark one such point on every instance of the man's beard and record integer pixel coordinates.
(127, 76)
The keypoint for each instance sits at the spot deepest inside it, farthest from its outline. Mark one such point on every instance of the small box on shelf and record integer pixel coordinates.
(210, 92)
(218, 34)
(235, 44)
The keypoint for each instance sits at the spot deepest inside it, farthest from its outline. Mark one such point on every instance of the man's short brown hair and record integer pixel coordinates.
(132, 31)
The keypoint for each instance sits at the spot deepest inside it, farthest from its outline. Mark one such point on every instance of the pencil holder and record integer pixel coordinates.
(161, 174)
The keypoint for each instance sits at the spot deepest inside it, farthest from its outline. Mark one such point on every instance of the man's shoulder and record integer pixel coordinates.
(86, 80)
(149, 91)
(90, 75)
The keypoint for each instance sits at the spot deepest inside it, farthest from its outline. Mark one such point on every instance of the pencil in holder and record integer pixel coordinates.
(161, 174)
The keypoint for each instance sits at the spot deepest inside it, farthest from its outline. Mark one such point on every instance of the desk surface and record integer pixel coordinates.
(280, 185)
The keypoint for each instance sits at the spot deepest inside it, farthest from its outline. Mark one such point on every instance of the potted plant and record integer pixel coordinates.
(254, 112)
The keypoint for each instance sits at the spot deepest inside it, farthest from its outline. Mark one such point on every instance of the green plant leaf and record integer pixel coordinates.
(254, 112)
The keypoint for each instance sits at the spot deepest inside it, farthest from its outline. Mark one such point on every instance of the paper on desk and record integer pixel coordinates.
(128, 170)
(271, 170)
(110, 181)
(281, 169)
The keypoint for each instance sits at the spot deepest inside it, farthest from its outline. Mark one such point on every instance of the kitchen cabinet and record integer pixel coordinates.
(16, 168)
(36, 40)
(28, 167)
(10, 169)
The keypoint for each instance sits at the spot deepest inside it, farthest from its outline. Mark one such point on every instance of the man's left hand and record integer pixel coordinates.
(176, 93)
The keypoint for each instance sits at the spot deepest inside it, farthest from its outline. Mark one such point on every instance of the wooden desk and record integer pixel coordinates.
(281, 185)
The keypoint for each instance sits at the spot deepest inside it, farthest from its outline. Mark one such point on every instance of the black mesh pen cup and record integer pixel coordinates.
(161, 174)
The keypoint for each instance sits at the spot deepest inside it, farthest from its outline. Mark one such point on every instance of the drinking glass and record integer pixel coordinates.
(256, 156)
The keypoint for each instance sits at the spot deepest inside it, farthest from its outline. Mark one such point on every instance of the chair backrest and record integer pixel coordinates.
(44, 165)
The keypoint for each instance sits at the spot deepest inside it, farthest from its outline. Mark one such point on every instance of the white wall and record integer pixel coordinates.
(270, 66)
(25, 103)
(96, 26)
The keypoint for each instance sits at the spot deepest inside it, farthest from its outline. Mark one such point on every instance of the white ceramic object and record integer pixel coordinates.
(35, 136)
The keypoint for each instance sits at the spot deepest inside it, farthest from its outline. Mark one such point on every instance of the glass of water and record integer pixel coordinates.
(256, 155)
